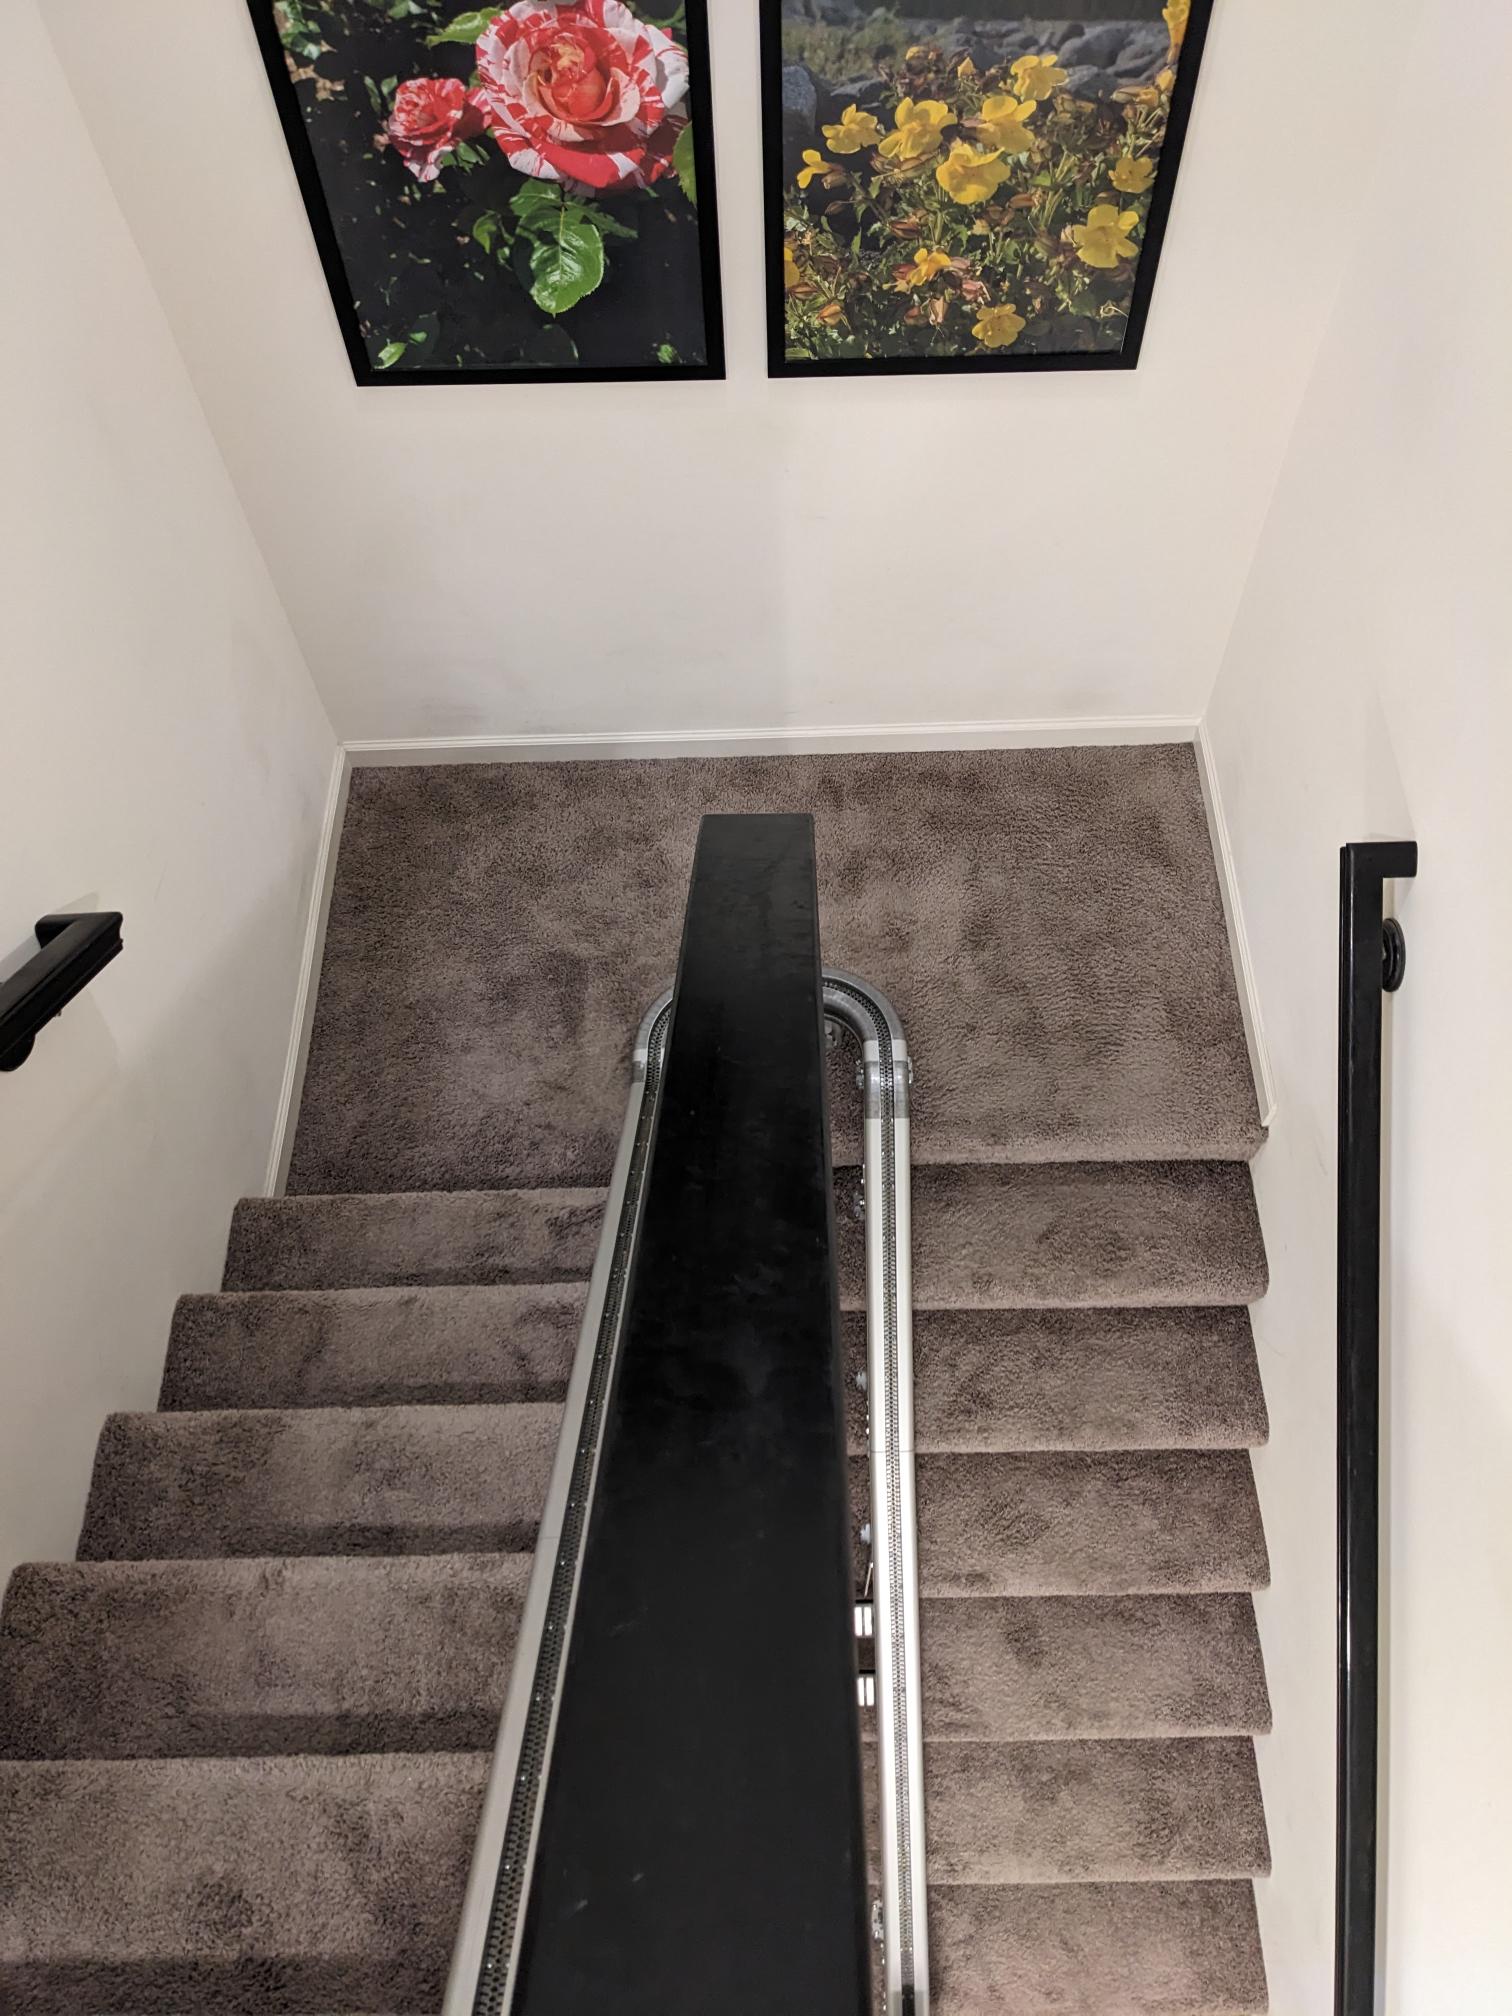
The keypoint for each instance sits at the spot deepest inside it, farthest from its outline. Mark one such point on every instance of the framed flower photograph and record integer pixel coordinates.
(513, 192)
(971, 192)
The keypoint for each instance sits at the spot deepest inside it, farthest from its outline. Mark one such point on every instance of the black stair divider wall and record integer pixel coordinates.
(701, 1841)
(1372, 957)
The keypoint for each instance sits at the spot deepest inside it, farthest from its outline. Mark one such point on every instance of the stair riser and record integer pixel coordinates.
(400, 1480)
(414, 1240)
(257, 1658)
(1072, 1235)
(1010, 1670)
(1085, 1949)
(373, 1347)
(1071, 1524)
(239, 1885)
(1005, 1380)
(1093, 1812)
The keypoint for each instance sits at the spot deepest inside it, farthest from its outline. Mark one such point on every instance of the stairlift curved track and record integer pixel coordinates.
(482, 1975)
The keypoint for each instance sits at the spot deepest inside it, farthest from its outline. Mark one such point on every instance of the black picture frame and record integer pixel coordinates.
(1126, 358)
(322, 227)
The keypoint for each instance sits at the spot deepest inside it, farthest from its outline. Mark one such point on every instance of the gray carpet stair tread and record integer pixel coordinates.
(1002, 1379)
(1096, 1949)
(370, 1347)
(1053, 1235)
(257, 1657)
(1078, 1379)
(1174, 1234)
(233, 1884)
(250, 1884)
(440, 1238)
(1094, 1812)
(1071, 1523)
(330, 1480)
(1014, 1669)
(1047, 922)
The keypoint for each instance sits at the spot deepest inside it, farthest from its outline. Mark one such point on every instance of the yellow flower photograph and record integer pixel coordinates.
(972, 192)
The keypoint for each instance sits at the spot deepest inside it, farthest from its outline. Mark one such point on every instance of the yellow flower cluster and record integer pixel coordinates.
(1176, 14)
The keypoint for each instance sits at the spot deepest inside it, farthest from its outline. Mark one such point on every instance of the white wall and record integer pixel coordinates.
(798, 553)
(1367, 693)
(163, 753)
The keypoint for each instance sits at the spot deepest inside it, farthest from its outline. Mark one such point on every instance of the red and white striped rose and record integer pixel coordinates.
(430, 115)
(581, 92)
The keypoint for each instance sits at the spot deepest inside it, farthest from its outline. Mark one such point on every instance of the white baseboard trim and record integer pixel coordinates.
(309, 975)
(609, 744)
(1233, 917)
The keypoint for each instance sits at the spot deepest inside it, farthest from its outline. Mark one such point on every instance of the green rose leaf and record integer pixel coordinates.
(682, 164)
(488, 229)
(565, 268)
(465, 28)
(609, 225)
(390, 355)
(537, 204)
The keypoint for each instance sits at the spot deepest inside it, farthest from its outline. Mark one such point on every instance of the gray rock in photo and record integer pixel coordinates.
(829, 13)
(1101, 47)
(1144, 53)
(800, 98)
(800, 114)
(865, 93)
(1085, 80)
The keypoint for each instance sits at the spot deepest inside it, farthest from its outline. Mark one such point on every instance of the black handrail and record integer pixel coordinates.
(1372, 958)
(701, 1840)
(73, 950)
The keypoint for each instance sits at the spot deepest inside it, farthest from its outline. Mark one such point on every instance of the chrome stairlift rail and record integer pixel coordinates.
(885, 1077)
(483, 1971)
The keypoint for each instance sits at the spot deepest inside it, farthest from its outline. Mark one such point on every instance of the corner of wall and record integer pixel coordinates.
(1233, 916)
(282, 1146)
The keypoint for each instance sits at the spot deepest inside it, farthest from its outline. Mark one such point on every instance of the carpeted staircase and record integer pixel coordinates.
(246, 1732)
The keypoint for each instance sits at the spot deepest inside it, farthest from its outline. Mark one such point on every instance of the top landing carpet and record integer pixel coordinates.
(1046, 921)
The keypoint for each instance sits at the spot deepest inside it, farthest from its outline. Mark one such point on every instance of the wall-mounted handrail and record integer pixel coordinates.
(72, 951)
(1372, 961)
